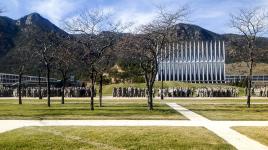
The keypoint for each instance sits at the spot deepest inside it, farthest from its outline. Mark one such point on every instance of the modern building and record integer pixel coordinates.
(193, 61)
(11, 79)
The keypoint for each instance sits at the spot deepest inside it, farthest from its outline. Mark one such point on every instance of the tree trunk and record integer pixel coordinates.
(92, 91)
(63, 89)
(149, 85)
(162, 87)
(150, 97)
(39, 86)
(100, 90)
(48, 85)
(19, 89)
(249, 84)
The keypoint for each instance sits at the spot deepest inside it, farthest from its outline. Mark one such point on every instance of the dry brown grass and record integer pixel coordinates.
(242, 69)
(111, 138)
(257, 133)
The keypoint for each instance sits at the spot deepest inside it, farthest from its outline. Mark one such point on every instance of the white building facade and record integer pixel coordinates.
(192, 61)
(10, 79)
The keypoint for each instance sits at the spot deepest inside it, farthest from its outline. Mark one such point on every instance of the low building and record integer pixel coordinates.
(12, 79)
(238, 78)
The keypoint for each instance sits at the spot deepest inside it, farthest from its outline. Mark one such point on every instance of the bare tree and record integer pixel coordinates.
(96, 35)
(64, 61)
(105, 63)
(44, 46)
(21, 60)
(39, 69)
(46, 52)
(251, 23)
(151, 38)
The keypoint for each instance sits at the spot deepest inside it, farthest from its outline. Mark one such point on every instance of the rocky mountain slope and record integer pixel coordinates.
(12, 33)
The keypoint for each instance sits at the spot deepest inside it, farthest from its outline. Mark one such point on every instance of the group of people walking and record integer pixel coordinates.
(79, 92)
(177, 92)
(260, 91)
(217, 92)
(6, 92)
(134, 92)
(129, 92)
(54, 92)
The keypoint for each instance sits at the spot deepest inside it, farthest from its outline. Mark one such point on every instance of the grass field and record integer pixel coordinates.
(36, 109)
(111, 138)
(107, 89)
(259, 134)
(230, 111)
(57, 100)
(131, 109)
(220, 109)
(216, 101)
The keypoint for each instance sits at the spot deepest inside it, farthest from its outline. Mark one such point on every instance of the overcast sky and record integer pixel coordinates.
(210, 14)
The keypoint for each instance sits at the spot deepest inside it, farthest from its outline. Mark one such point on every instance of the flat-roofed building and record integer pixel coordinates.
(10, 79)
(238, 78)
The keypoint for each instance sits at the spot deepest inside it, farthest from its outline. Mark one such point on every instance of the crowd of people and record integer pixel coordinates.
(177, 92)
(6, 92)
(260, 91)
(199, 92)
(217, 92)
(54, 92)
(135, 92)
(129, 92)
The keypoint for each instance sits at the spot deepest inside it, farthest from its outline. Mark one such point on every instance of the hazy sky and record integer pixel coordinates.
(210, 14)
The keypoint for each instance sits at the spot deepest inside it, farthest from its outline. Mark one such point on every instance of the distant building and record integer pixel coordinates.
(11, 79)
(238, 78)
(193, 61)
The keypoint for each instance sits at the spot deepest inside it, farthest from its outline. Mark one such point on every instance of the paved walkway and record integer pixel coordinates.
(221, 128)
(241, 142)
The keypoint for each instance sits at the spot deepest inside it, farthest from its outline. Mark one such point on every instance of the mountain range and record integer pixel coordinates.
(12, 34)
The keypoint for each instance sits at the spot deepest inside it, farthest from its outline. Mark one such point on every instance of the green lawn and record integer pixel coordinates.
(130, 109)
(112, 138)
(257, 133)
(126, 100)
(54, 100)
(215, 101)
(230, 111)
(36, 109)
(107, 89)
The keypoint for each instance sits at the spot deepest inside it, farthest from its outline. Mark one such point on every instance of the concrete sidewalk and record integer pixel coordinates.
(223, 130)
(144, 98)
